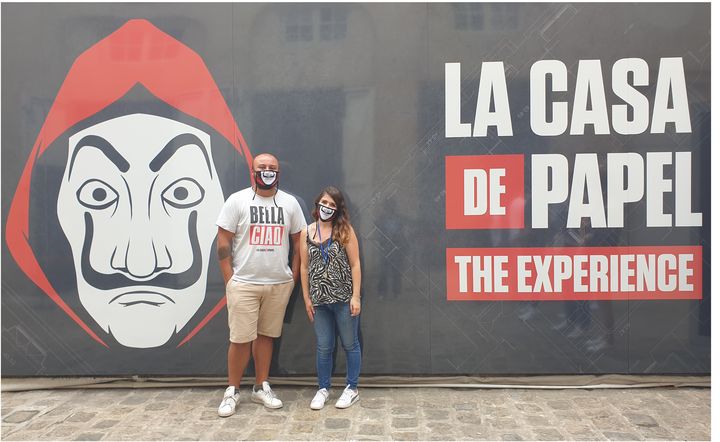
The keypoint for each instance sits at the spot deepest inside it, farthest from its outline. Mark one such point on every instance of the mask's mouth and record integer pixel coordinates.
(173, 281)
(142, 297)
(325, 212)
(266, 179)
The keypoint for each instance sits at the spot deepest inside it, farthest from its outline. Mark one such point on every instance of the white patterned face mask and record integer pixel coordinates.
(265, 178)
(325, 213)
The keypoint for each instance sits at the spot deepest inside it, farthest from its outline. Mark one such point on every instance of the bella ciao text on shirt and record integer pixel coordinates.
(488, 191)
(267, 227)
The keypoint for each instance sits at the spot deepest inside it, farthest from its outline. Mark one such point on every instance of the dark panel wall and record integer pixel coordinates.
(354, 95)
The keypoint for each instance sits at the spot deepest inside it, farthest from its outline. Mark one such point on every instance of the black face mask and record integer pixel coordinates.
(266, 179)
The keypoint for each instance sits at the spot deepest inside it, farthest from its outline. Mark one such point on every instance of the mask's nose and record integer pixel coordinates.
(144, 255)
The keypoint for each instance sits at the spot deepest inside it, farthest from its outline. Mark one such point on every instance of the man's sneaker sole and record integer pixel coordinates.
(230, 413)
(226, 415)
(355, 399)
(262, 402)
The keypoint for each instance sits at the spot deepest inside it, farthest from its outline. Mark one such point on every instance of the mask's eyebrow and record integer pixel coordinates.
(103, 146)
(173, 145)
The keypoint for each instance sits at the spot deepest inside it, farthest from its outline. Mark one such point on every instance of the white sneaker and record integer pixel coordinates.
(348, 397)
(318, 402)
(230, 400)
(266, 396)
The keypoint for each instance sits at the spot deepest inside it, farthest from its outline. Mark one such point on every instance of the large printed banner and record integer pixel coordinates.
(529, 182)
(488, 191)
(575, 273)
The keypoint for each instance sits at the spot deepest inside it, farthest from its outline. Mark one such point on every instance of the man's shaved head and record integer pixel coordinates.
(267, 160)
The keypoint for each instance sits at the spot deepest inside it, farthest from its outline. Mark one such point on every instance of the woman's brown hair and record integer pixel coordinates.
(341, 220)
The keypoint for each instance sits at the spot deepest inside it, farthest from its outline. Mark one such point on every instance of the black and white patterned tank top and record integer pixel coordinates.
(330, 281)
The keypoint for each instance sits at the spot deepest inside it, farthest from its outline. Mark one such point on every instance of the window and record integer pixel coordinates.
(499, 16)
(469, 16)
(299, 24)
(504, 16)
(333, 22)
(301, 21)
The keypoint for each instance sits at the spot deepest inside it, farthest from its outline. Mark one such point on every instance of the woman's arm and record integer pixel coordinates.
(353, 252)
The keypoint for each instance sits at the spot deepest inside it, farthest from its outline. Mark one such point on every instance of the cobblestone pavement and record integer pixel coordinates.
(381, 414)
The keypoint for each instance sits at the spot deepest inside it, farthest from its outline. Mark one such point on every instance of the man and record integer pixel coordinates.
(256, 228)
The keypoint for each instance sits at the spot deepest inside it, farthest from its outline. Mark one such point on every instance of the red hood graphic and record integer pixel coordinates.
(137, 52)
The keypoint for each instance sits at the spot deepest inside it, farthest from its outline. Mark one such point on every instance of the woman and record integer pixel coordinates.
(330, 273)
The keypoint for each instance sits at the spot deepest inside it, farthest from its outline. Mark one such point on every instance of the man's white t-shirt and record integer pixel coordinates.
(262, 235)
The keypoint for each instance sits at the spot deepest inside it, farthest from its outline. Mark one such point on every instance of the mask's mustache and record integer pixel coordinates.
(174, 281)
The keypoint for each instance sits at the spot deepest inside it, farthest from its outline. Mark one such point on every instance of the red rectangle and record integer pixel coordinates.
(574, 273)
(485, 192)
(266, 235)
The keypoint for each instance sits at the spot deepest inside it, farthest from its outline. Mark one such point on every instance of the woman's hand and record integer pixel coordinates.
(354, 306)
(309, 309)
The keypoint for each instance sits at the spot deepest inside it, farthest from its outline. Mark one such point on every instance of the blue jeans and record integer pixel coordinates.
(332, 320)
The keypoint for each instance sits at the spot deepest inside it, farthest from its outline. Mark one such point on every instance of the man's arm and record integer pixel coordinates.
(295, 265)
(224, 253)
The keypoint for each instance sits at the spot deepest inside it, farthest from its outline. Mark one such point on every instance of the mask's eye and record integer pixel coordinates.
(183, 193)
(95, 194)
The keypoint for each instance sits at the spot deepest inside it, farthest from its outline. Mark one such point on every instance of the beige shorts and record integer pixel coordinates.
(256, 309)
